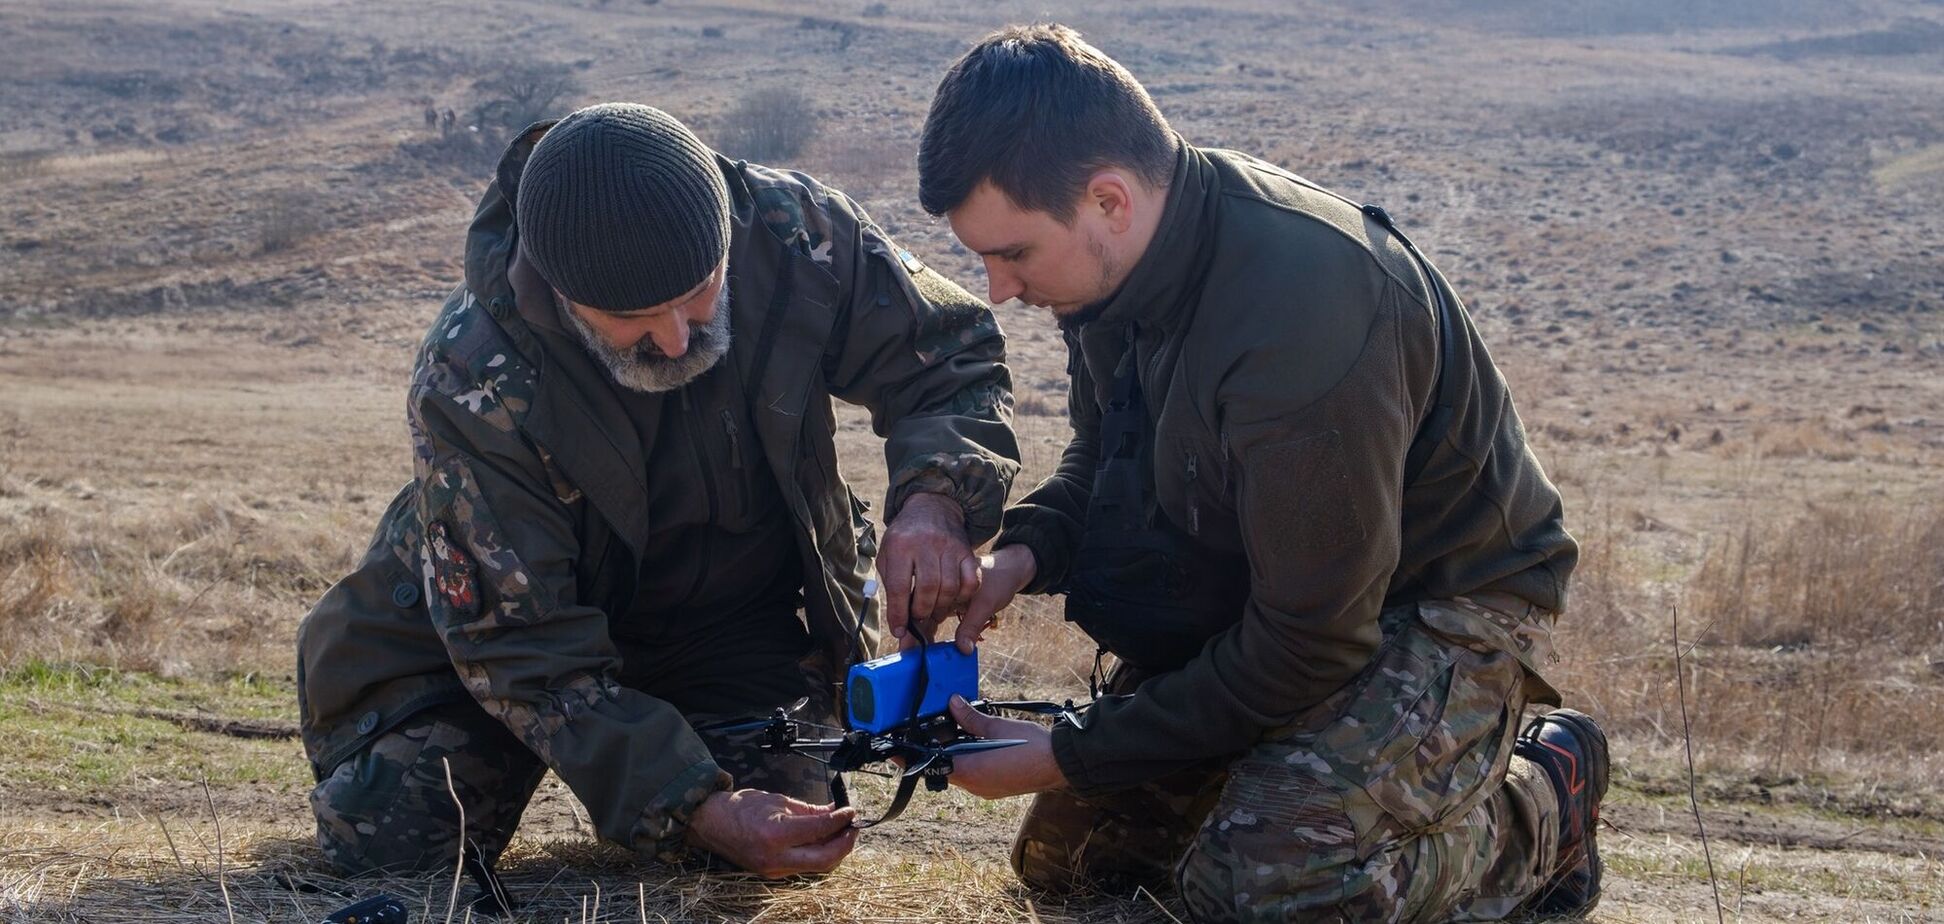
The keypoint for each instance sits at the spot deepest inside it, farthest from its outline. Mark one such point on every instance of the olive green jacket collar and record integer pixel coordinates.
(1164, 281)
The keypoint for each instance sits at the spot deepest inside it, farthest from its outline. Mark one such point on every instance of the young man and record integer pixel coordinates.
(627, 518)
(1298, 504)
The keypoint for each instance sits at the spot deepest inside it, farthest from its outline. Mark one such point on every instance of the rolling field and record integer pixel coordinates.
(1703, 241)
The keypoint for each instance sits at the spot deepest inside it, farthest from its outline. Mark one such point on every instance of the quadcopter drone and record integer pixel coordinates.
(896, 707)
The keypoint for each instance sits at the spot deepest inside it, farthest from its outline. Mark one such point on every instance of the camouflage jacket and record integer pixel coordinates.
(494, 574)
(1287, 347)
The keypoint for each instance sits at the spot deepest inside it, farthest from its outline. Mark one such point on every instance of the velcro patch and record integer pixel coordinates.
(1304, 484)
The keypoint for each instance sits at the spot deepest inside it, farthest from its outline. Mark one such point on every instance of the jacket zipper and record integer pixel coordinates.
(1194, 502)
(709, 491)
(730, 430)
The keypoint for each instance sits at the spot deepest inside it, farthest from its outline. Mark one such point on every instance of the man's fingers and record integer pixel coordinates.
(979, 613)
(950, 580)
(896, 587)
(797, 830)
(924, 593)
(969, 630)
(796, 806)
(968, 581)
(821, 857)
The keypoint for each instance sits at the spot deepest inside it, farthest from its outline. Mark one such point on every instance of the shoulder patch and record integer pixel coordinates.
(781, 207)
(467, 359)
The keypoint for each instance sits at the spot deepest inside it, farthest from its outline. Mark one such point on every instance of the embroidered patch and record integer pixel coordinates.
(450, 571)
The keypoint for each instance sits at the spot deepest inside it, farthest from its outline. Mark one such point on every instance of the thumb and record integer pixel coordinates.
(986, 601)
(968, 718)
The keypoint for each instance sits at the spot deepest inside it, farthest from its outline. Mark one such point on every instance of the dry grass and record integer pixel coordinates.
(177, 870)
(1811, 645)
(1730, 358)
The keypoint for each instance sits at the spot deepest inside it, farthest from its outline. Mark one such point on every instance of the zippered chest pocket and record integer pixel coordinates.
(1192, 486)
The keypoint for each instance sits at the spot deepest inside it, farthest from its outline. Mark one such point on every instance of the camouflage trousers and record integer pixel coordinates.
(387, 808)
(1398, 799)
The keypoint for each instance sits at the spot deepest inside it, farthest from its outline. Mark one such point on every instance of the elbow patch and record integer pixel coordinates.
(1300, 497)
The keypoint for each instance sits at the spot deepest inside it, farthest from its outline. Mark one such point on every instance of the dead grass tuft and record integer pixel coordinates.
(1811, 642)
(1839, 574)
(122, 874)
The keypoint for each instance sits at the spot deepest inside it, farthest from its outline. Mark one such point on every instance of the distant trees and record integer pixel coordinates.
(520, 95)
(502, 102)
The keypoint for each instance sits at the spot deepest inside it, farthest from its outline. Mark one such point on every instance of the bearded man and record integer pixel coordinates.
(627, 518)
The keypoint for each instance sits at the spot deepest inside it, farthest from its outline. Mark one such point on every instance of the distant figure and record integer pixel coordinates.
(431, 118)
(1297, 504)
(626, 522)
(447, 119)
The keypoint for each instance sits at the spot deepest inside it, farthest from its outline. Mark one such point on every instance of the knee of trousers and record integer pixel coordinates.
(1258, 862)
(364, 830)
(390, 807)
(1041, 864)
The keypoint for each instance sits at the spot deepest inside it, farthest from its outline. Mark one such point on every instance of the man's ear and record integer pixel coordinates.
(1110, 195)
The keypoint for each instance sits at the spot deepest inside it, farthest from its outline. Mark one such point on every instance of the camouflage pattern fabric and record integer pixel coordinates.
(1397, 799)
(1116, 842)
(387, 809)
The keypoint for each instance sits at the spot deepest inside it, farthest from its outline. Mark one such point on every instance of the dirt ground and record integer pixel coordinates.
(1702, 240)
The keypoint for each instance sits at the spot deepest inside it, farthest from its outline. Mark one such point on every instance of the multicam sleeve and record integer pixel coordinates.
(497, 561)
(928, 359)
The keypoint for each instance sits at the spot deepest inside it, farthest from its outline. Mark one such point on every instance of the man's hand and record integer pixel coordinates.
(925, 564)
(1003, 772)
(1002, 575)
(773, 835)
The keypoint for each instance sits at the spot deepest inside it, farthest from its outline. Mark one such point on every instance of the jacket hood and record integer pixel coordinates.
(491, 240)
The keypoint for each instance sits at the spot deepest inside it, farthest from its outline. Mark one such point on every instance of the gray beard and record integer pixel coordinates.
(643, 367)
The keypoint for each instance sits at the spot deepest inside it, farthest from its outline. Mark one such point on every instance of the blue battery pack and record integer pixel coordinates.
(879, 693)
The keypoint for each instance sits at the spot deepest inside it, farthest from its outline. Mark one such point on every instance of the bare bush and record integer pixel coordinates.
(866, 165)
(287, 220)
(769, 125)
(521, 95)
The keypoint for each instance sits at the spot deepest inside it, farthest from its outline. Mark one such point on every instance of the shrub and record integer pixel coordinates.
(769, 125)
(288, 219)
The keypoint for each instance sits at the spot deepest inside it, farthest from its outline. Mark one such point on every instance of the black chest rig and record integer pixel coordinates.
(1139, 585)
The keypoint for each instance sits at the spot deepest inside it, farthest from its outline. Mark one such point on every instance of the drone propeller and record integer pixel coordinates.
(1066, 712)
(732, 726)
(976, 745)
(930, 756)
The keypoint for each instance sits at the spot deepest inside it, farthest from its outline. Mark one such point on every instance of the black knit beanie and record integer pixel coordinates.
(621, 207)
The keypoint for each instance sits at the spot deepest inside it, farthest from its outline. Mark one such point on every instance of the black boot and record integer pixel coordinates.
(1573, 752)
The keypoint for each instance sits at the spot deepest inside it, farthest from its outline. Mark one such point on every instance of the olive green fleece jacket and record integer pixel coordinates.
(505, 570)
(1287, 347)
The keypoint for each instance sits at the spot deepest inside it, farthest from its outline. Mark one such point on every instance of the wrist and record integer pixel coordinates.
(702, 821)
(933, 504)
(1018, 561)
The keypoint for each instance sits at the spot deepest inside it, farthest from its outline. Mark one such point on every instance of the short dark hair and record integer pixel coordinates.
(1036, 111)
